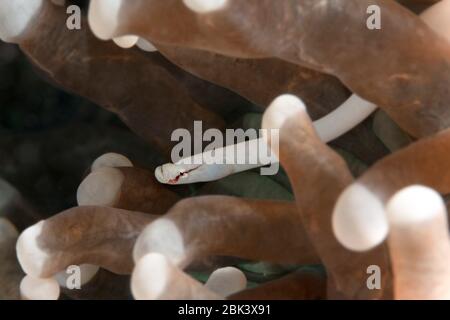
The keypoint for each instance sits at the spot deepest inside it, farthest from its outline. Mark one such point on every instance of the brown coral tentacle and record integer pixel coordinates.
(261, 80)
(409, 80)
(156, 278)
(419, 244)
(128, 188)
(359, 219)
(146, 102)
(309, 162)
(83, 235)
(226, 226)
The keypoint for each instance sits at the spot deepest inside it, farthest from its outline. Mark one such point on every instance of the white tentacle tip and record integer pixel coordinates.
(31, 257)
(32, 288)
(146, 45)
(159, 175)
(104, 17)
(226, 281)
(168, 173)
(281, 109)
(359, 220)
(205, 6)
(150, 277)
(100, 188)
(16, 17)
(162, 236)
(414, 204)
(126, 42)
(111, 160)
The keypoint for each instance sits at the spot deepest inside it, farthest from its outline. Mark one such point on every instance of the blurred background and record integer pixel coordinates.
(49, 138)
(48, 141)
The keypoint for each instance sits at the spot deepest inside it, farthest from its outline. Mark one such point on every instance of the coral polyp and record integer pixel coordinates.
(347, 100)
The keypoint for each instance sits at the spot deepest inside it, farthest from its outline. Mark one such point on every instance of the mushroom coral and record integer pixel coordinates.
(95, 235)
(423, 162)
(309, 162)
(151, 94)
(152, 101)
(128, 188)
(419, 244)
(238, 227)
(216, 61)
(409, 79)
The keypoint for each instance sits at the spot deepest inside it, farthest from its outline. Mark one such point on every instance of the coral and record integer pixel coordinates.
(230, 227)
(414, 57)
(309, 162)
(355, 190)
(419, 244)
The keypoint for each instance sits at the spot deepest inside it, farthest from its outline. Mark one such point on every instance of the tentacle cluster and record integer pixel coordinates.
(314, 83)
